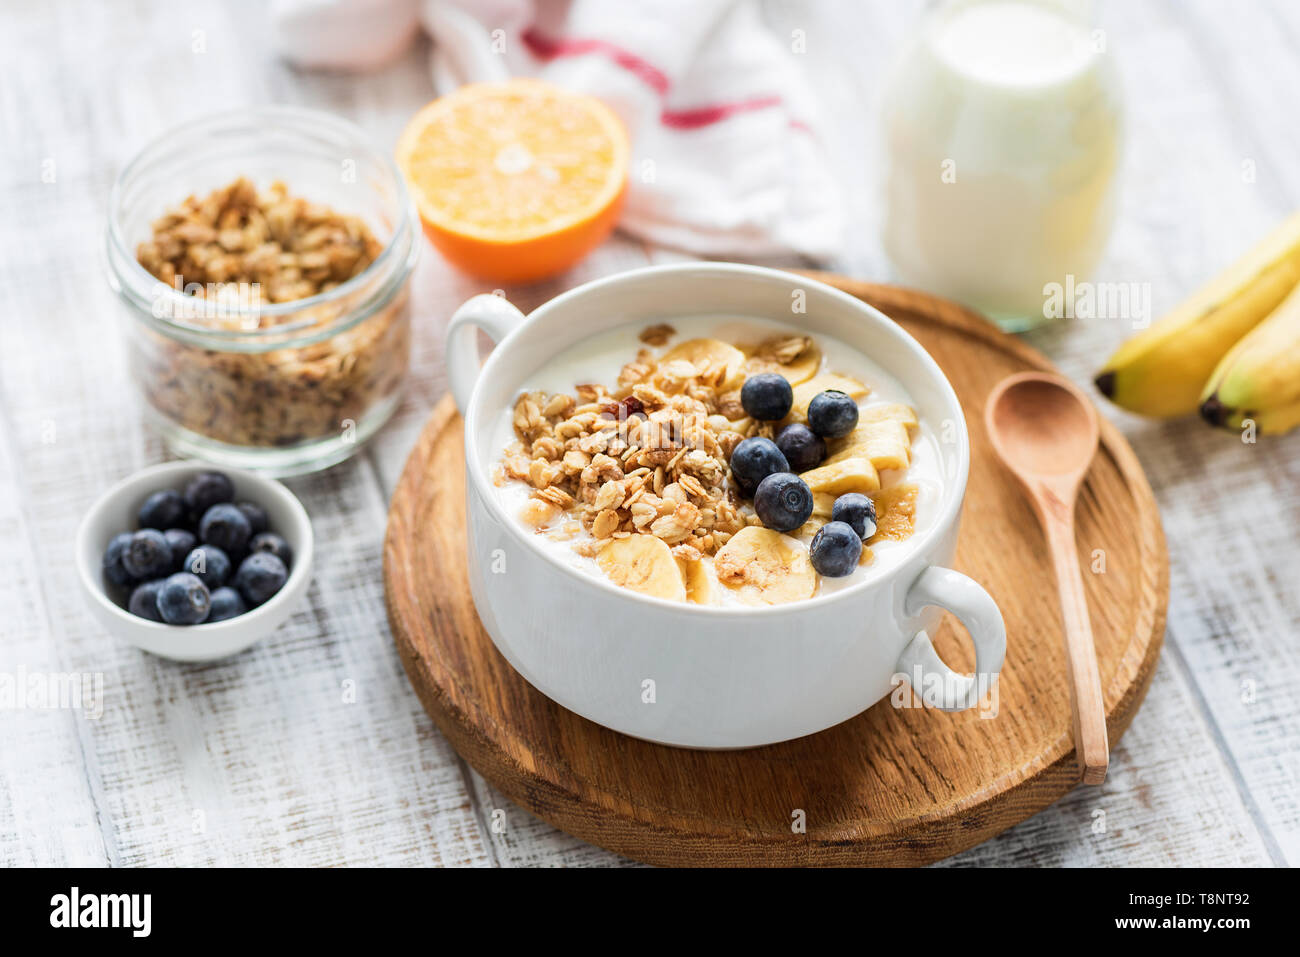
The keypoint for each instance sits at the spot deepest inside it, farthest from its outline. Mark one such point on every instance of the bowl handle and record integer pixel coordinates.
(493, 315)
(974, 608)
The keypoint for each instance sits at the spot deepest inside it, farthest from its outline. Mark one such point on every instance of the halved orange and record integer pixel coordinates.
(515, 181)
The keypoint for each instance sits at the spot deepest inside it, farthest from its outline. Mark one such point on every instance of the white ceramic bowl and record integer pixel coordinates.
(115, 512)
(701, 676)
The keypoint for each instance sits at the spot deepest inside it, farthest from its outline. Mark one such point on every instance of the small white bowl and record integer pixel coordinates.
(115, 512)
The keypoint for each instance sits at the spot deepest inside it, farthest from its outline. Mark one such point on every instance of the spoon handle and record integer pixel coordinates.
(1090, 740)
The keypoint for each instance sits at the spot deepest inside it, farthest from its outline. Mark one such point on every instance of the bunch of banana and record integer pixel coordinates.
(1232, 350)
(1259, 378)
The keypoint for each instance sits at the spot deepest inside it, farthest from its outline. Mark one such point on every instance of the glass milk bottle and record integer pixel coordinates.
(1002, 136)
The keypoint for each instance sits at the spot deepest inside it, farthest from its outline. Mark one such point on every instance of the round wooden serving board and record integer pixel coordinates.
(889, 787)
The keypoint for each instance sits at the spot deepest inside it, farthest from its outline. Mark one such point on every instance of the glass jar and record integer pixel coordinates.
(1002, 133)
(281, 387)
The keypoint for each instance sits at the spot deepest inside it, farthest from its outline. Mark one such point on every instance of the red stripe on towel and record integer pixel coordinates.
(548, 48)
(551, 48)
(705, 115)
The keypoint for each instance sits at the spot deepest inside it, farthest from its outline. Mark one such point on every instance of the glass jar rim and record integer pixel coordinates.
(391, 267)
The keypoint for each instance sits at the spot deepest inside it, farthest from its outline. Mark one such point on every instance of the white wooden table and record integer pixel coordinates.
(311, 748)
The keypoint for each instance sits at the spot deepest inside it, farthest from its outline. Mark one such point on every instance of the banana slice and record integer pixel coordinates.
(644, 564)
(895, 513)
(823, 505)
(718, 363)
(805, 391)
(808, 529)
(796, 357)
(696, 576)
(850, 475)
(764, 567)
(885, 444)
(891, 410)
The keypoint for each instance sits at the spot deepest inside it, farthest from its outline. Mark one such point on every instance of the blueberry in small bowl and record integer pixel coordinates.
(256, 515)
(182, 542)
(273, 543)
(226, 603)
(209, 563)
(207, 489)
(144, 600)
(147, 555)
(227, 527)
(260, 576)
(183, 599)
(162, 510)
(124, 577)
(111, 563)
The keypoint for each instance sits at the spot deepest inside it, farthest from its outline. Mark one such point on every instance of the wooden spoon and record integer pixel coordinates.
(1045, 430)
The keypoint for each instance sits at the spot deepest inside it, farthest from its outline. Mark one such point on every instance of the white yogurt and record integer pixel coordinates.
(599, 359)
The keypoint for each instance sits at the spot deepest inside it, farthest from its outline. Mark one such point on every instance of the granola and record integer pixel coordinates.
(286, 249)
(290, 247)
(648, 459)
(632, 460)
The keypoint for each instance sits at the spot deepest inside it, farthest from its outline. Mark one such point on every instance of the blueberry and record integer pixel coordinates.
(256, 515)
(783, 501)
(226, 603)
(832, 414)
(857, 511)
(209, 564)
(162, 510)
(182, 542)
(802, 447)
(755, 459)
(835, 550)
(273, 543)
(114, 570)
(206, 490)
(260, 576)
(144, 600)
(225, 526)
(183, 599)
(147, 554)
(767, 396)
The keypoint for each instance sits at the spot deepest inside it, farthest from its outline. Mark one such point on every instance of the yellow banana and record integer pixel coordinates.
(643, 563)
(796, 357)
(1267, 422)
(1163, 370)
(763, 567)
(806, 391)
(1259, 378)
(715, 361)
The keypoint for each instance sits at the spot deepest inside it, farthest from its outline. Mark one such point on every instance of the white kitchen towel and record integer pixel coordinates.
(727, 158)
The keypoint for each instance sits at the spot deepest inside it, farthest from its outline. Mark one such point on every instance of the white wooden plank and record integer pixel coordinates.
(1168, 801)
(47, 792)
(264, 759)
